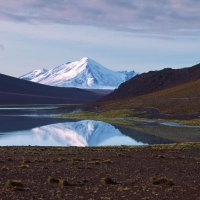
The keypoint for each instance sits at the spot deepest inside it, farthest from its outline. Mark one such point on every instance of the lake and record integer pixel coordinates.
(41, 126)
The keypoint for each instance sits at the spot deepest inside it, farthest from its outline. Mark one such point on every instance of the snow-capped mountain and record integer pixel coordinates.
(34, 74)
(85, 73)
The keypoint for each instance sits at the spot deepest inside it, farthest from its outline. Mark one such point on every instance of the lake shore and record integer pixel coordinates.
(147, 172)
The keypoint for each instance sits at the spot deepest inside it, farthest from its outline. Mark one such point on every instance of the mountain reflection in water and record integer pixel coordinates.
(81, 133)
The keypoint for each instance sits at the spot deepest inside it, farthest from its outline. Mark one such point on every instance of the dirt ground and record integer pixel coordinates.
(105, 173)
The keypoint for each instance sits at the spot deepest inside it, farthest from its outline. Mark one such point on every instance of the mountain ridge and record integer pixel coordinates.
(17, 91)
(154, 81)
(85, 73)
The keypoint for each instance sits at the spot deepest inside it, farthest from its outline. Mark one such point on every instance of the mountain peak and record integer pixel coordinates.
(86, 59)
(85, 73)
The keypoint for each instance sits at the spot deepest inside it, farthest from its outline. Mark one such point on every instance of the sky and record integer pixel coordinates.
(140, 35)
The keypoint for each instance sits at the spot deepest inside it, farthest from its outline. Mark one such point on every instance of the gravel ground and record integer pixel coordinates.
(153, 172)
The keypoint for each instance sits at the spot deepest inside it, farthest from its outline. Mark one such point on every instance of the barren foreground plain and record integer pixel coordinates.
(147, 172)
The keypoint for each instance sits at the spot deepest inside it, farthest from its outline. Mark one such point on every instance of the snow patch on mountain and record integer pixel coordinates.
(34, 74)
(85, 73)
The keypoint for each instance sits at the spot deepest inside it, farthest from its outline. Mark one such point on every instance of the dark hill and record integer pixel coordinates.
(17, 91)
(155, 81)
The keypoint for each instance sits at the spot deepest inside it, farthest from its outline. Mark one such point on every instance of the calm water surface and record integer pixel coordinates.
(39, 126)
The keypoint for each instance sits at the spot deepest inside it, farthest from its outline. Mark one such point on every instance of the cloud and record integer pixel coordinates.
(150, 17)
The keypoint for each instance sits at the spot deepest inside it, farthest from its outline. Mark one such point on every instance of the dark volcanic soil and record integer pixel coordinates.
(155, 172)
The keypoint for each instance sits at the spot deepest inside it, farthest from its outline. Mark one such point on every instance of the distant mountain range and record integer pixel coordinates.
(17, 91)
(164, 89)
(85, 73)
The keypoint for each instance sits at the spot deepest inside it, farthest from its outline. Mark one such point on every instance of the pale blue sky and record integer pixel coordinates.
(121, 35)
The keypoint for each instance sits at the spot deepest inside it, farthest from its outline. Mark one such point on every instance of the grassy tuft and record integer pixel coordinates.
(24, 166)
(162, 181)
(4, 169)
(15, 185)
(122, 189)
(52, 180)
(108, 181)
(63, 183)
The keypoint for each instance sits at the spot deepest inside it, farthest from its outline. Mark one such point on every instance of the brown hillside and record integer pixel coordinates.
(180, 99)
(153, 81)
